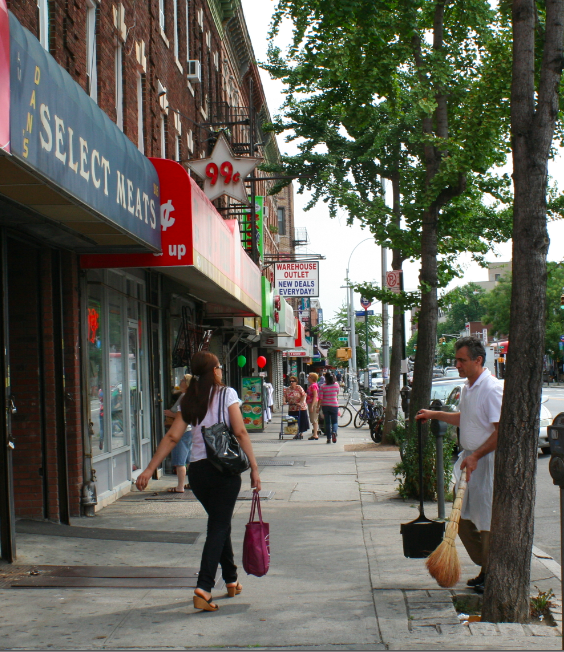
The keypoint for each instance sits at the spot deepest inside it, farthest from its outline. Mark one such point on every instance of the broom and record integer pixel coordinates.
(443, 564)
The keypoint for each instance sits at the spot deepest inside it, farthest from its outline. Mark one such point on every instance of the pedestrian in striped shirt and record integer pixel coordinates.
(329, 403)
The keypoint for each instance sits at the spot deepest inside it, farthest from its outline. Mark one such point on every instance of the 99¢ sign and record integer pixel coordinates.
(226, 171)
(223, 173)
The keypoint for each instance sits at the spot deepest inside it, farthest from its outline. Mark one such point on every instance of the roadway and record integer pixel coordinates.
(547, 506)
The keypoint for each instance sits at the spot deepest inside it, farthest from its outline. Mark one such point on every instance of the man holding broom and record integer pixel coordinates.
(478, 420)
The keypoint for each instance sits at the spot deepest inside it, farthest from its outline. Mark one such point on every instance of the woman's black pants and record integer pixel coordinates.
(217, 492)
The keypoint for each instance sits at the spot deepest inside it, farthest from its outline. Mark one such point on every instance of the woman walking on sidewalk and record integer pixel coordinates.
(312, 400)
(215, 490)
(329, 402)
(295, 397)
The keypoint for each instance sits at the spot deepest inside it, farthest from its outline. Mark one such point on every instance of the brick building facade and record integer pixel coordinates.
(171, 75)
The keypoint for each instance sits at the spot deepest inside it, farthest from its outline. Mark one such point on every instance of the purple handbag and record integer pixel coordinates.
(256, 544)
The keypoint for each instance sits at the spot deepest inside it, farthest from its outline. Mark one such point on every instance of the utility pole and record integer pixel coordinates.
(355, 395)
(385, 338)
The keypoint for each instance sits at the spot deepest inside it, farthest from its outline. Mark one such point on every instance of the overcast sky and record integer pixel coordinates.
(333, 238)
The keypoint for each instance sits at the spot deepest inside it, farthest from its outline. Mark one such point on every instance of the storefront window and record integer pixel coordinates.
(116, 372)
(96, 354)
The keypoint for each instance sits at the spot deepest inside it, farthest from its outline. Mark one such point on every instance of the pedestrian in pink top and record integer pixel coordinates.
(312, 400)
(329, 402)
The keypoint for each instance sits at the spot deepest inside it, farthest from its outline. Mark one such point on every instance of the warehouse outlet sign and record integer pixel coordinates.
(296, 279)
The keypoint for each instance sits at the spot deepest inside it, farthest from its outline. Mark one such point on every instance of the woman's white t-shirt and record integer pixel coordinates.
(211, 418)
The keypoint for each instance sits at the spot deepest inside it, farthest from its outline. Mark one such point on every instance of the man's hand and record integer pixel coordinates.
(425, 415)
(469, 463)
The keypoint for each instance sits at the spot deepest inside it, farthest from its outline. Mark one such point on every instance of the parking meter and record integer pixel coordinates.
(438, 429)
(556, 442)
(405, 392)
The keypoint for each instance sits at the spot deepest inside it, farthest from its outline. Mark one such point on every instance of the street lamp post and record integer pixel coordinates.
(352, 343)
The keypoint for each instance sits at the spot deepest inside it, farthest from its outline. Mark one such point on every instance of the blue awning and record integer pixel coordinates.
(69, 162)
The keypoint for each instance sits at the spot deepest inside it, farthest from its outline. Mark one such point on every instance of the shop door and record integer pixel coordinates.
(135, 396)
(7, 514)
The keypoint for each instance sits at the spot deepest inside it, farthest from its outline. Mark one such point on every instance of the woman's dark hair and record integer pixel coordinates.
(329, 378)
(202, 388)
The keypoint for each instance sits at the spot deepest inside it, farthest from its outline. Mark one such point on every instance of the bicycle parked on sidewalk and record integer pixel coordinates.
(371, 413)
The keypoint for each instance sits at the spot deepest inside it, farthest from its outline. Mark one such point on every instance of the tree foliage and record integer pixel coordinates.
(416, 93)
(461, 305)
(497, 304)
(332, 329)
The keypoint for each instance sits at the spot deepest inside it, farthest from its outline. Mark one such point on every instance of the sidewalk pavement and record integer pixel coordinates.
(338, 577)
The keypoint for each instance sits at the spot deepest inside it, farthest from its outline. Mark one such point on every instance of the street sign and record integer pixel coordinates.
(361, 313)
(562, 338)
(343, 339)
(326, 345)
(365, 303)
(393, 281)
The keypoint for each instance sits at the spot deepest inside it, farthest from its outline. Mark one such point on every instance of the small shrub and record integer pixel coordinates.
(540, 604)
(407, 471)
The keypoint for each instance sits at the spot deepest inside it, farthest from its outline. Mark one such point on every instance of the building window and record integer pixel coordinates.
(281, 221)
(162, 14)
(91, 54)
(497, 277)
(43, 10)
(187, 30)
(175, 17)
(119, 85)
(140, 116)
(177, 148)
(163, 135)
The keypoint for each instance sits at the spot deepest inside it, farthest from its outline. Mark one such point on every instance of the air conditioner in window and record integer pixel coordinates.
(194, 73)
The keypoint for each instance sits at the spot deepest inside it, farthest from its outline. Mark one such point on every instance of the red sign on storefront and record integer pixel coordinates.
(193, 235)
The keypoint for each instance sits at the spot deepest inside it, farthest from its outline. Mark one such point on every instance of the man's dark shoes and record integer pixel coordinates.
(480, 579)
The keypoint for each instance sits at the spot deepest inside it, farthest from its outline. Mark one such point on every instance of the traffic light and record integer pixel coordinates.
(442, 340)
(562, 301)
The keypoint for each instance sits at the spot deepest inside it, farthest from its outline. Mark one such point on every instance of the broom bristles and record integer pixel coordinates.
(443, 564)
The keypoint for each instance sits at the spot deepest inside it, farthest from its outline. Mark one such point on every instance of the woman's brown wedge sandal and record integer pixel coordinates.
(232, 591)
(205, 605)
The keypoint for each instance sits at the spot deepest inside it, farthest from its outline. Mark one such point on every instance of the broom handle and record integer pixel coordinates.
(420, 438)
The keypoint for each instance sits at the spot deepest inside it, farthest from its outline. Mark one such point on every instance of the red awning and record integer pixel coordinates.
(200, 248)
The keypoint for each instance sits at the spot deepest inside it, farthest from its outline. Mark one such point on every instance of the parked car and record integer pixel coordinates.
(438, 372)
(441, 388)
(453, 401)
(451, 372)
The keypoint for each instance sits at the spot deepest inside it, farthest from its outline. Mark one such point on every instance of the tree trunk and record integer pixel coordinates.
(393, 393)
(506, 597)
(428, 316)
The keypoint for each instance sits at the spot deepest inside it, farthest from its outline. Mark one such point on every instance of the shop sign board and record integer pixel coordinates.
(59, 131)
(4, 77)
(252, 407)
(296, 279)
(246, 228)
(223, 173)
(287, 321)
(193, 235)
(296, 354)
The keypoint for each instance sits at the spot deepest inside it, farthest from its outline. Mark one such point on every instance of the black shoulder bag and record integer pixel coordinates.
(222, 447)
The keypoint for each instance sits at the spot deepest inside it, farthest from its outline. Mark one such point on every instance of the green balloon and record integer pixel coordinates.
(241, 361)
